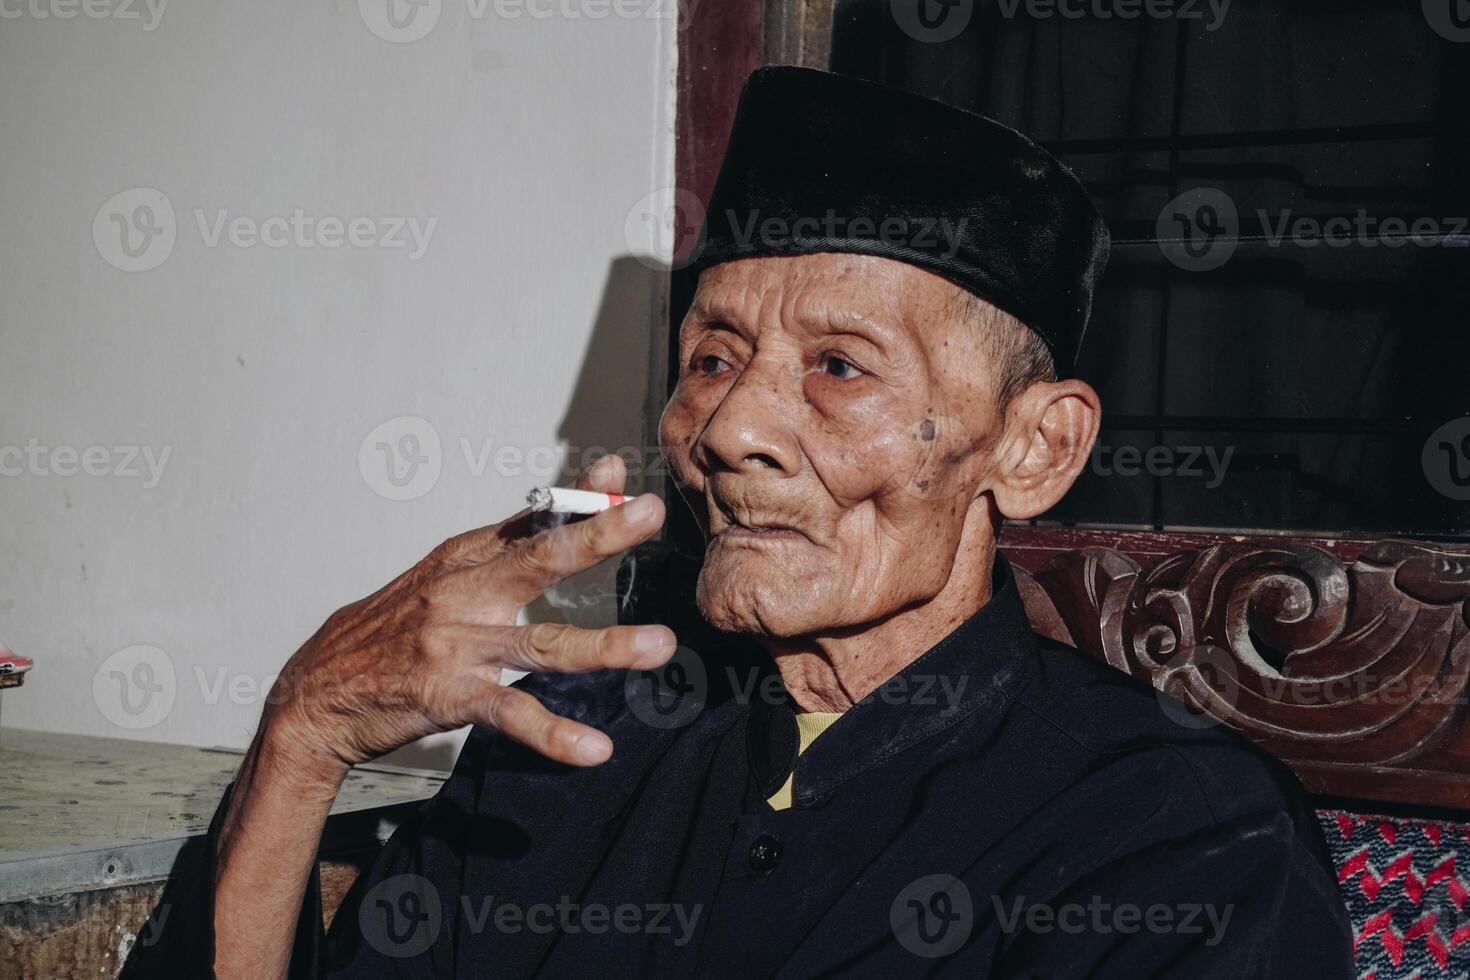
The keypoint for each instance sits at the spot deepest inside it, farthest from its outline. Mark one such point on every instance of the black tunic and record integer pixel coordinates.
(1004, 807)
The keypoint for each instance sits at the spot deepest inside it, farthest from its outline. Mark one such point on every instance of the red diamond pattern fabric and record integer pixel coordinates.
(1405, 883)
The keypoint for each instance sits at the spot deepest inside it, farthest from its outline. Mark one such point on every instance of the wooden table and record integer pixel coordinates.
(91, 828)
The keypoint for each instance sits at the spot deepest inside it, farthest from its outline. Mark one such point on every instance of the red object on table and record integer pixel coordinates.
(12, 666)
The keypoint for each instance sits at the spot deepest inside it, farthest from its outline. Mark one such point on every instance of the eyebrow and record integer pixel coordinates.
(827, 318)
(865, 326)
(716, 312)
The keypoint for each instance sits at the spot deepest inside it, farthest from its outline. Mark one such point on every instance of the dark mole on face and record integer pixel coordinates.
(926, 430)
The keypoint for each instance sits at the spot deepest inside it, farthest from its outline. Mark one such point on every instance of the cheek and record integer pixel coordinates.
(934, 485)
(678, 427)
(885, 454)
(904, 492)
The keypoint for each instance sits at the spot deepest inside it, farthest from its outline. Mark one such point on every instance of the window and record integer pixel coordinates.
(1281, 339)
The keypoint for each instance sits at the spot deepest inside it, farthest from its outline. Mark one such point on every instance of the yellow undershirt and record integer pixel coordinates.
(808, 726)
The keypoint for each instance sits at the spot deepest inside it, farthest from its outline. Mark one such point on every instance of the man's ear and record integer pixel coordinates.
(1049, 430)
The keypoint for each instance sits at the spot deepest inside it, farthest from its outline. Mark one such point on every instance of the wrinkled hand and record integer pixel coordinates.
(425, 653)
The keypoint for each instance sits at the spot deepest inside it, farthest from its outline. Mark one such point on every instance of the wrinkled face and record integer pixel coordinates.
(830, 429)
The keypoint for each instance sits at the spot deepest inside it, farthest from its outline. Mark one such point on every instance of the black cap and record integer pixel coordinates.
(819, 162)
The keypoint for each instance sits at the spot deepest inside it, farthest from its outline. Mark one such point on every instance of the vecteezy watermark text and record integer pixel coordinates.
(402, 915)
(406, 21)
(124, 462)
(1364, 230)
(1211, 11)
(1101, 917)
(673, 695)
(1200, 229)
(136, 230)
(939, 236)
(570, 917)
(302, 230)
(1446, 459)
(403, 458)
(122, 10)
(1173, 461)
(938, 21)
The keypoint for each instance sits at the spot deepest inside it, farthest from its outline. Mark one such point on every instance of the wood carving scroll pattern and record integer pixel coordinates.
(1365, 664)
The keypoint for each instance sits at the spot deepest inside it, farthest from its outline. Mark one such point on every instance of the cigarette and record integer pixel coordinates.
(560, 500)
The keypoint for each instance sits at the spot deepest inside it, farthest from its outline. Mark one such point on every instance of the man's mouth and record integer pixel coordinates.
(773, 532)
(753, 526)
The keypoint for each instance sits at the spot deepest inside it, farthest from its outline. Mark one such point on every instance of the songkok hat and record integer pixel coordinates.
(819, 162)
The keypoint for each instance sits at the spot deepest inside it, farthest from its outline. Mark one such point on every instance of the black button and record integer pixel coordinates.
(765, 854)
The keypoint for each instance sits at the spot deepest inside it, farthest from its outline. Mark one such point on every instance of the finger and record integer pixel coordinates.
(564, 649)
(608, 475)
(536, 563)
(523, 718)
(482, 544)
(485, 543)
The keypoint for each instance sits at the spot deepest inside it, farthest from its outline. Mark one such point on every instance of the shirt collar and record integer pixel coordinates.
(990, 653)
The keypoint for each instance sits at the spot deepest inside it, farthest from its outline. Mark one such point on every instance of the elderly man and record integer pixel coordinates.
(873, 374)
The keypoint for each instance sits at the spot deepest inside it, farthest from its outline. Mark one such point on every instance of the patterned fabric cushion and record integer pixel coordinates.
(1402, 881)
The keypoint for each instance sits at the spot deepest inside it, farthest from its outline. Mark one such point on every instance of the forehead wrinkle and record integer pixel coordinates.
(833, 304)
(728, 303)
(784, 290)
(750, 301)
(871, 324)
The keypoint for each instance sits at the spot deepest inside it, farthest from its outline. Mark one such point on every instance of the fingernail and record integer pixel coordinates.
(653, 639)
(639, 509)
(598, 470)
(594, 748)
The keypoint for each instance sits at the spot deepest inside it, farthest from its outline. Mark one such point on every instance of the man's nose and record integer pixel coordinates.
(751, 430)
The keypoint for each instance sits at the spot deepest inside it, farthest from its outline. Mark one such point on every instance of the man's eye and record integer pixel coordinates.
(839, 368)
(710, 364)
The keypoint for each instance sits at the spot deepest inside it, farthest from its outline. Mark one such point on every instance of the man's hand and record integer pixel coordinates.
(422, 655)
(425, 653)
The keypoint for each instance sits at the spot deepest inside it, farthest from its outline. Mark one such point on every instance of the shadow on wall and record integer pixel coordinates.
(611, 405)
(614, 409)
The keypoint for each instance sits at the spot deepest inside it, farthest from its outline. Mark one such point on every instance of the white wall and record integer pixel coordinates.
(262, 371)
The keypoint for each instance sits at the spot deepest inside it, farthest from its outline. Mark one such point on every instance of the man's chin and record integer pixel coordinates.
(754, 597)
